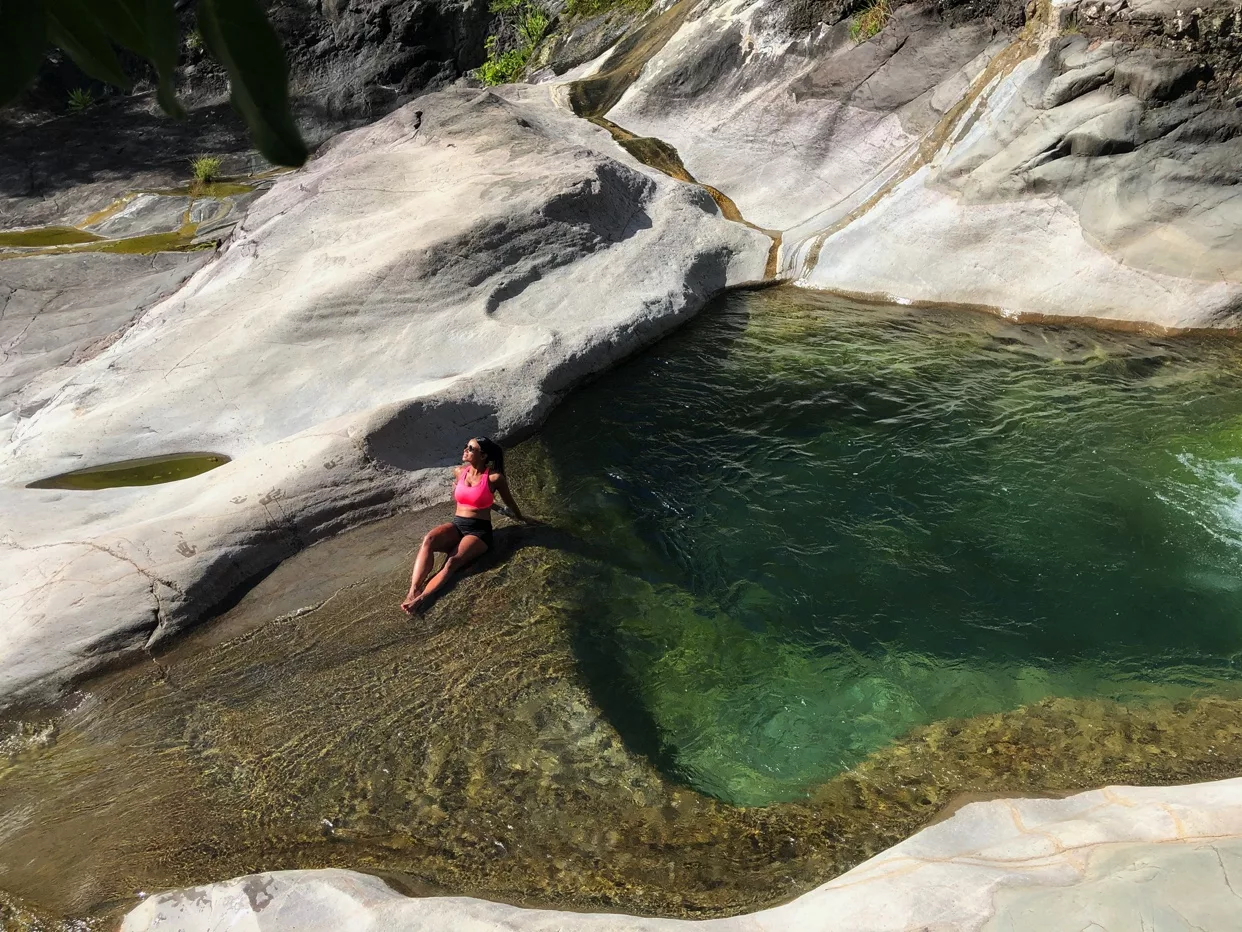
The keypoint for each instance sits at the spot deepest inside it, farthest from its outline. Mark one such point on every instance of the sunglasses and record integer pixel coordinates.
(473, 448)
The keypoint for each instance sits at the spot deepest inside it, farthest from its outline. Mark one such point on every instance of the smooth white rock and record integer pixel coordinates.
(451, 270)
(1116, 859)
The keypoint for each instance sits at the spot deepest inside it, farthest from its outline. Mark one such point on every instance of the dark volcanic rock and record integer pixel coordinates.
(349, 59)
(362, 57)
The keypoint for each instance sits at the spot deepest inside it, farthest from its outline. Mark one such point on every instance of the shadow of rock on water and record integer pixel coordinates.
(314, 725)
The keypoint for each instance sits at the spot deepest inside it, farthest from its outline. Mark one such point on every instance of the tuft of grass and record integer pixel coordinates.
(194, 40)
(205, 169)
(80, 99)
(870, 21)
(1071, 27)
(505, 67)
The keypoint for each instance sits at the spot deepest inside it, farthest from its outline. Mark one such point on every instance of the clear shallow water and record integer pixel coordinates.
(825, 524)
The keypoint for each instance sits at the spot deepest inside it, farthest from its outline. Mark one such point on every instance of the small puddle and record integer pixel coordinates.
(151, 470)
(41, 237)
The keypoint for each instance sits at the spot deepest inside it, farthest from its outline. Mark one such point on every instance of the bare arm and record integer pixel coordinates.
(501, 485)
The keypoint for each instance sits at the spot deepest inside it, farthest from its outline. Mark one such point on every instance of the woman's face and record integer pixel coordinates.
(472, 455)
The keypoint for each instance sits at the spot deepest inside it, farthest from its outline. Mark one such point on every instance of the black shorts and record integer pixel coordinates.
(475, 527)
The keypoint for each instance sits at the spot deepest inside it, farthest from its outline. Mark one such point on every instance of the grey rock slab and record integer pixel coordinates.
(1165, 858)
(1115, 130)
(450, 270)
(56, 309)
(1149, 75)
(1161, 887)
(144, 213)
(1072, 84)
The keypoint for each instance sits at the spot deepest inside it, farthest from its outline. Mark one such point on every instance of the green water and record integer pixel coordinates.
(824, 524)
(150, 470)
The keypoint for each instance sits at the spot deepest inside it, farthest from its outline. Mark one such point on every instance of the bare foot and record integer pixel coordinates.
(414, 604)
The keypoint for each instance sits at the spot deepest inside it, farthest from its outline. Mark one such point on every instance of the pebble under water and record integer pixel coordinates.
(830, 523)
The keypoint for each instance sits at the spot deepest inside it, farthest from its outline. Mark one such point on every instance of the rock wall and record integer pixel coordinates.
(448, 271)
(1083, 164)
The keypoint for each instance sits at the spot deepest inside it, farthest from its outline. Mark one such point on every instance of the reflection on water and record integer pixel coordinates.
(830, 523)
(735, 638)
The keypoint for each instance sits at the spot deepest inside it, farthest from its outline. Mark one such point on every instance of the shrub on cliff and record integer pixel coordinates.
(522, 25)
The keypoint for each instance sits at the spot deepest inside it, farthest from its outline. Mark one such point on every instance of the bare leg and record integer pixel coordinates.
(443, 538)
(469, 550)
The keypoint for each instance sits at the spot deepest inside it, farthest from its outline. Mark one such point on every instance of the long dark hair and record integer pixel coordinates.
(495, 455)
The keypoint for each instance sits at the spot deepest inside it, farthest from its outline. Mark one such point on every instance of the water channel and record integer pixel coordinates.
(810, 571)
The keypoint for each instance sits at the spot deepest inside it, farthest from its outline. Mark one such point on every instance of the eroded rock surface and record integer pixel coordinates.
(1081, 164)
(449, 270)
(1117, 858)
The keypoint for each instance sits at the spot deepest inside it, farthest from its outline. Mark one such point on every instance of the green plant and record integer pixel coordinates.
(505, 66)
(1071, 27)
(80, 99)
(533, 26)
(205, 169)
(194, 40)
(236, 32)
(870, 21)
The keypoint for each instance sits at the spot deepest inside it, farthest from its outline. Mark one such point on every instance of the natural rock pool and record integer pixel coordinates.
(824, 524)
(812, 570)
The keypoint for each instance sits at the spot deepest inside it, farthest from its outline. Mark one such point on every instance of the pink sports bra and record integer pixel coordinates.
(474, 496)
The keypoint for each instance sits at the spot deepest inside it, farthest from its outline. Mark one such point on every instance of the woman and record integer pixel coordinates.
(469, 535)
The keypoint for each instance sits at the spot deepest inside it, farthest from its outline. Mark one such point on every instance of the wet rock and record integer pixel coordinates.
(1114, 858)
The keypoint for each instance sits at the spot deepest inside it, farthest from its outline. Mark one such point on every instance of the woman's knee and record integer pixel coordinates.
(440, 538)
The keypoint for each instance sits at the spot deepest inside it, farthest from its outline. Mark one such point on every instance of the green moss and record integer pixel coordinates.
(46, 236)
(151, 470)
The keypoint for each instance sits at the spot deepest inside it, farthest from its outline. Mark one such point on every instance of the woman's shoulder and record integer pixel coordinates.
(457, 471)
(496, 477)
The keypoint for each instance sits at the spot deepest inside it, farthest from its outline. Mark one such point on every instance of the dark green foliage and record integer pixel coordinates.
(236, 32)
(72, 26)
(23, 26)
(526, 23)
(238, 35)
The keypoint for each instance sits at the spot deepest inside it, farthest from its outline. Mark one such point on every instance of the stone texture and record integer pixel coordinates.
(1073, 175)
(1117, 858)
(1063, 187)
(54, 310)
(450, 270)
(787, 126)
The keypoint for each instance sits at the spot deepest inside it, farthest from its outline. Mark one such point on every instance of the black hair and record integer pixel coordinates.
(495, 455)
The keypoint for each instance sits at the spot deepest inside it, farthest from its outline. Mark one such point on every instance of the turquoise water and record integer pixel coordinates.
(819, 525)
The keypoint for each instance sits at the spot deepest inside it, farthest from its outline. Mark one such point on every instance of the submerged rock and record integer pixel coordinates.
(1121, 857)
